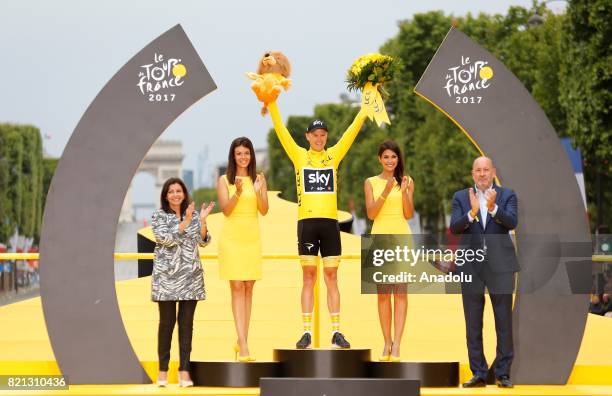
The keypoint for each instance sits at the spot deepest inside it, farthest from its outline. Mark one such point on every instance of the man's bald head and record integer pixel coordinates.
(483, 172)
(483, 160)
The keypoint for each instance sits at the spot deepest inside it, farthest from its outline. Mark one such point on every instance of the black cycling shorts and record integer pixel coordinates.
(319, 234)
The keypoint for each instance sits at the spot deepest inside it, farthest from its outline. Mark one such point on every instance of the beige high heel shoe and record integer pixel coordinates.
(162, 382)
(184, 383)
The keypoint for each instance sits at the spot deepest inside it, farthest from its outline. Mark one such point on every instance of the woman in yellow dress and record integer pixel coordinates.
(389, 203)
(242, 194)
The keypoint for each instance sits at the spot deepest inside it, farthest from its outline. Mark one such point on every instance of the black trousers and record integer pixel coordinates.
(167, 320)
(500, 287)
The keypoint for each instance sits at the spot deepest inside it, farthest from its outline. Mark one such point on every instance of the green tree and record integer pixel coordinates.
(281, 176)
(21, 181)
(560, 66)
(585, 95)
(531, 54)
(206, 194)
(12, 152)
(5, 228)
(48, 165)
(31, 182)
(426, 135)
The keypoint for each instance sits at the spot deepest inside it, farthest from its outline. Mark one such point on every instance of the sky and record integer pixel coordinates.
(55, 56)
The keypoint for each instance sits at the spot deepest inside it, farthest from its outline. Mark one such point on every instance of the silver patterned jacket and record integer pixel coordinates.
(177, 269)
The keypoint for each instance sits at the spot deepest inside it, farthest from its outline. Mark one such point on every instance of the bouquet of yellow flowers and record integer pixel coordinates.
(368, 73)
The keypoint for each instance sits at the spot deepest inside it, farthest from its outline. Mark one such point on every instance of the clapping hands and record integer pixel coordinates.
(388, 188)
(189, 211)
(490, 196)
(407, 185)
(260, 185)
(205, 210)
(238, 184)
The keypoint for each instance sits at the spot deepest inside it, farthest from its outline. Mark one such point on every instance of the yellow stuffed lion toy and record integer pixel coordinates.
(271, 78)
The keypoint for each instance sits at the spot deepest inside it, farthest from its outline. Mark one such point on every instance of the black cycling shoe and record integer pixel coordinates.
(305, 342)
(338, 341)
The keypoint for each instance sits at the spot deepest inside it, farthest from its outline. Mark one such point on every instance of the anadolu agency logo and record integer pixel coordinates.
(157, 79)
(466, 79)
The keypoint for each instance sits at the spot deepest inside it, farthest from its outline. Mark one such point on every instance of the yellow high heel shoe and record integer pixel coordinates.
(395, 359)
(241, 359)
(236, 351)
(385, 358)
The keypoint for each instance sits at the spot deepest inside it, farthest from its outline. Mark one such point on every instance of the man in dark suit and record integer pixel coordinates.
(483, 216)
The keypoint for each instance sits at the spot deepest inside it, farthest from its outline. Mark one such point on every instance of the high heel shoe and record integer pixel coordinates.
(162, 382)
(385, 358)
(242, 359)
(394, 358)
(184, 383)
(236, 351)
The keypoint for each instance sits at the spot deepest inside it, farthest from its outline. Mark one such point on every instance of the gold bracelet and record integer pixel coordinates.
(237, 195)
(383, 198)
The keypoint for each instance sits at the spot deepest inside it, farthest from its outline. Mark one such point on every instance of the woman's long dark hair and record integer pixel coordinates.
(398, 172)
(164, 196)
(231, 160)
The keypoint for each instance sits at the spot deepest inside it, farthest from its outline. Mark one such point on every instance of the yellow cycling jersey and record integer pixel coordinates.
(316, 171)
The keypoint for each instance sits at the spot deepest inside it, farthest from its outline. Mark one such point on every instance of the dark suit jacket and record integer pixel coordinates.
(500, 254)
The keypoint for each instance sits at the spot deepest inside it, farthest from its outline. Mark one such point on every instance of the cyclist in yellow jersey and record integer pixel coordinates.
(318, 230)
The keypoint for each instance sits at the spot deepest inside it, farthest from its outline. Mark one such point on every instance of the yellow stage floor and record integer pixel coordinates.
(130, 390)
(434, 330)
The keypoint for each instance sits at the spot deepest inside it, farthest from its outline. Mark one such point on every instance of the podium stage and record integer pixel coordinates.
(434, 328)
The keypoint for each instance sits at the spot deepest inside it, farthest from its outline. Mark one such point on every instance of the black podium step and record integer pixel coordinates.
(431, 374)
(323, 363)
(233, 374)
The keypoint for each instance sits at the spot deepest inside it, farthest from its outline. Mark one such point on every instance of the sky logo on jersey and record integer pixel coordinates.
(318, 180)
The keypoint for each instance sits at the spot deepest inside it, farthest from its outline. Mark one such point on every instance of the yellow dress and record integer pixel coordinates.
(239, 242)
(390, 219)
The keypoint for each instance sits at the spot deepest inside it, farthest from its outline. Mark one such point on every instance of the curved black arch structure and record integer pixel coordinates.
(78, 237)
(502, 119)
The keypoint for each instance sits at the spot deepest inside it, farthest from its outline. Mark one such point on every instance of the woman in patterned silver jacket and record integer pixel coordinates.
(177, 272)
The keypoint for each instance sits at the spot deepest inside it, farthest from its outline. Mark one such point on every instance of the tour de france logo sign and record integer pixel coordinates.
(467, 80)
(159, 79)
